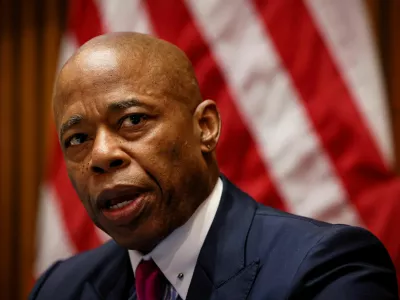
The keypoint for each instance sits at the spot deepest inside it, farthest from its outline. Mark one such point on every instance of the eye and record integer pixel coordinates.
(132, 120)
(75, 140)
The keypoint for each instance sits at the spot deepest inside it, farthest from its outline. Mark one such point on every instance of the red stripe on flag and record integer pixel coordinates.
(84, 20)
(329, 103)
(79, 226)
(84, 23)
(236, 144)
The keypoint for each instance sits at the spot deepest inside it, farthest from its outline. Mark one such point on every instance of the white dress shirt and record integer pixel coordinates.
(177, 254)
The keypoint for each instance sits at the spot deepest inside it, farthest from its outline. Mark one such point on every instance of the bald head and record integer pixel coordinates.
(128, 56)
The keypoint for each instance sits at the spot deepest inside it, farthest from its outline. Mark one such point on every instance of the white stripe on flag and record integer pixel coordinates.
(52, 241)
(131, 16)
(67, 48)
(268, 100)
(345, 28)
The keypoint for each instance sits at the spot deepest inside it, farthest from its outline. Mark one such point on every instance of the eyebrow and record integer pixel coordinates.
(115, 106)
(73, 120)
(124, 104)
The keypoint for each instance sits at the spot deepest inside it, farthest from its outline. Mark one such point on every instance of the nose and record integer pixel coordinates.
(107, 155)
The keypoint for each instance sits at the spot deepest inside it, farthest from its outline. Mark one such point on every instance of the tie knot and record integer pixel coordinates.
(150, 281)
(146, 268)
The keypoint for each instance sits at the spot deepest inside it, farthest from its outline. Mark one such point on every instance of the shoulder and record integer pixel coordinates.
(278, 228)
(305, 235)
(298, 228)
(346, 260)
(67, 275)
(88, 261)
(311, 256)
(294, 237)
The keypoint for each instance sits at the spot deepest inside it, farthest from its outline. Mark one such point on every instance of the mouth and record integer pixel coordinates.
(119, 202)
(121, 205)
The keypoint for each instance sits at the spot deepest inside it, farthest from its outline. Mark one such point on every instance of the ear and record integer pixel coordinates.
(209, 124)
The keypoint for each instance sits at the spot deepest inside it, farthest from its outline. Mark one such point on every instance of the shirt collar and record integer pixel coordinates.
(177, 254)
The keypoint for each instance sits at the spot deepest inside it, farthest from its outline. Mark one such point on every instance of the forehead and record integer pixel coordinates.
(103, 69)
(96, 79)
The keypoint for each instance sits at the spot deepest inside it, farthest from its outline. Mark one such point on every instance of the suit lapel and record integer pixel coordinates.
(223, 271)
(239, 286)
(114, 280)
(90, 293)
(201, 287)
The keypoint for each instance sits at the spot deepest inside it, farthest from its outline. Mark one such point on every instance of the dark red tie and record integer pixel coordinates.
(150, 281)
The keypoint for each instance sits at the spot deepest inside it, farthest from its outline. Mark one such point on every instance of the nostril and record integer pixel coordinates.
(116, 163)
(98, 170)
(112, 165)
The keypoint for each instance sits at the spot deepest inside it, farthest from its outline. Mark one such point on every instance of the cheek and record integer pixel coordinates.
(172, 159)
(78, 174)
(158, 157)
(79, 179)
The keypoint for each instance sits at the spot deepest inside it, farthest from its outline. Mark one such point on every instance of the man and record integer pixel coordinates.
(139, 145)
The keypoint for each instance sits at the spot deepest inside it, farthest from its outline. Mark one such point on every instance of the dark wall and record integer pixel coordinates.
(29, 44)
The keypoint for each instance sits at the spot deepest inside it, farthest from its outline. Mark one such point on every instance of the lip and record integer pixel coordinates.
(118, 194)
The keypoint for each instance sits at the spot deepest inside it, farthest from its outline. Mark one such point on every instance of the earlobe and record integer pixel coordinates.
(209, 123)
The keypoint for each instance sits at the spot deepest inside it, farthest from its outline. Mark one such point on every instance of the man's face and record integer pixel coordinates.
(132, 152)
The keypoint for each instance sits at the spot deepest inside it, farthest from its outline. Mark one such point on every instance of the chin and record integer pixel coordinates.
(141, 245)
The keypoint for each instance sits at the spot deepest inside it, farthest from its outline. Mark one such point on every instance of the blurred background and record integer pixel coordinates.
(308, 95)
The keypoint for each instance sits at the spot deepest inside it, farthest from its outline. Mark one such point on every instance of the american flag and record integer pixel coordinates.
(302, 100)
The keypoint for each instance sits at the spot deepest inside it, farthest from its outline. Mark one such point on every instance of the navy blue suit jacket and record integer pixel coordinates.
(251, 252)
